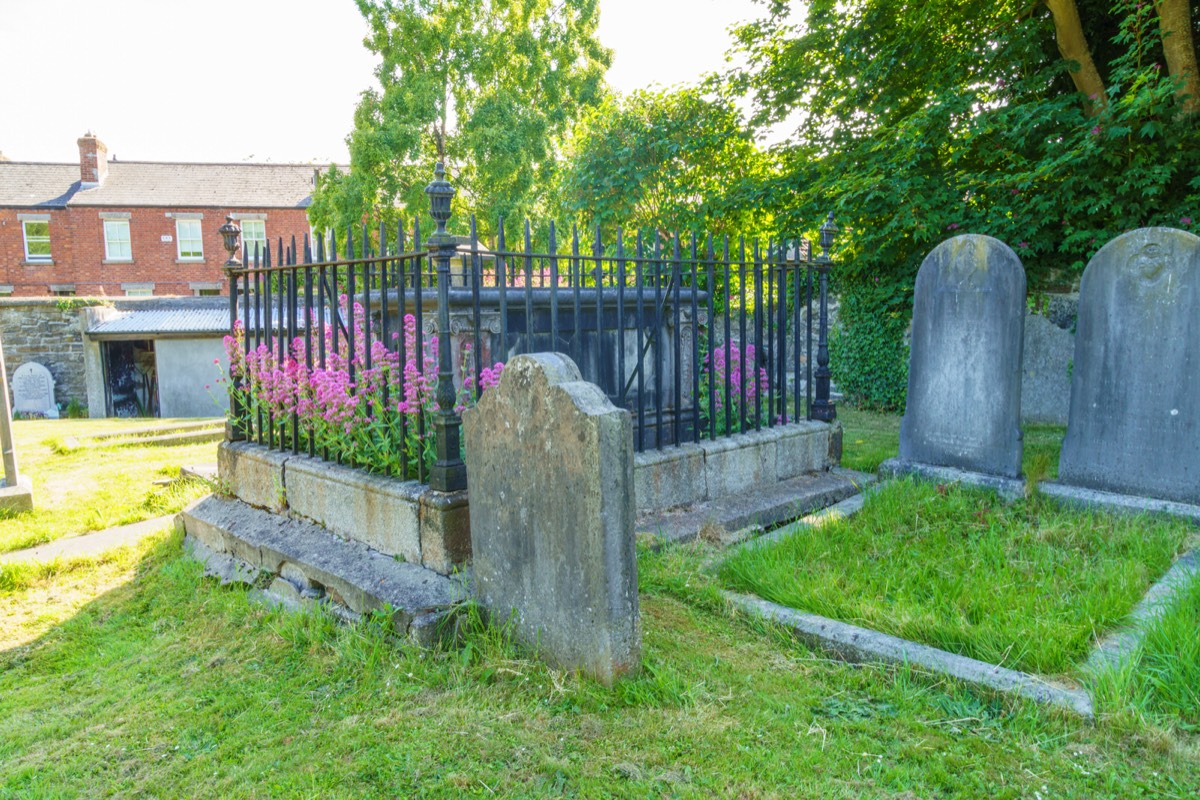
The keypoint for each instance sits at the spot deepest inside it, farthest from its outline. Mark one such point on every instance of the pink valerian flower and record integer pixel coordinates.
(1096, 131)
(1185, 220)
(953, 226)
(728, 372)
(342, 401)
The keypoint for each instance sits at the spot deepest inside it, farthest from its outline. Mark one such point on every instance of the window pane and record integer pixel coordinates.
(116, 239)
(37, 241)
(190, 243)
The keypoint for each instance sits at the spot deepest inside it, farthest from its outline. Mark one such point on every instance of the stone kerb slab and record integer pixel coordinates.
(380, 512)
(964, 379)
(397, 518)
(693, 473)
(1134, 425)
(550, 461)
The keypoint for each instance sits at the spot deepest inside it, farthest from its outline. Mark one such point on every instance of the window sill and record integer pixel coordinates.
(117, 261)
(189, 261)
(47, 263)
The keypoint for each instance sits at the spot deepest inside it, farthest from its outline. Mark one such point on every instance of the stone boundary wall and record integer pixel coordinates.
(47, 331)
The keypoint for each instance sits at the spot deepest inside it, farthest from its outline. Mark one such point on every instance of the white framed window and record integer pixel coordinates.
(139, 292)
(254, 237)
(190, 242)
(116, 240)
(37, 240)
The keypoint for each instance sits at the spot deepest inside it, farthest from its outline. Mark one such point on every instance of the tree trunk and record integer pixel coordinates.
(1073, 46)
(1175, 26)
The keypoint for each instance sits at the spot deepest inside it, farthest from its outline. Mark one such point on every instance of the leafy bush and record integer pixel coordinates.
(868, 356)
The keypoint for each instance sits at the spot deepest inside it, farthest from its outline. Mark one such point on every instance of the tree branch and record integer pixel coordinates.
(1072, 44)
(1175, 27)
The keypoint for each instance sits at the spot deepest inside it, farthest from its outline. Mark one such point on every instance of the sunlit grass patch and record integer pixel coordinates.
(1028, 585)
(77, 491)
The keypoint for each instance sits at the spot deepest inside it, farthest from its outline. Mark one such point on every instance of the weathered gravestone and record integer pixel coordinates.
(16, 490)
(550, 465)
(964, 375)
(33, 390)
(1134, 425)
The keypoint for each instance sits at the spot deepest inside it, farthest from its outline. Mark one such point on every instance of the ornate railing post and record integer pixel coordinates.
(235, 425)
(449, 473)
(824, 409)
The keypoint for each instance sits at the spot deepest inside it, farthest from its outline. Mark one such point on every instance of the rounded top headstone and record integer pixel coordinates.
(33, 390)
(1149, 256)
(968, 259)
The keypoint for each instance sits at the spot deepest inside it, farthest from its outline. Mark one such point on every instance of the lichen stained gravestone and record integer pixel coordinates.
(964, 379)
(33, 391)
(1134, 425)
(550, 466)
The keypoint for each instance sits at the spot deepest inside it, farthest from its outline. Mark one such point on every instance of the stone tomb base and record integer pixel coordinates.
(18, 497)
(1010, 488)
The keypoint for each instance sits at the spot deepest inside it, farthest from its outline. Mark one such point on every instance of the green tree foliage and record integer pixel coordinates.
(671, 160)
(486, 86)
(926, 120)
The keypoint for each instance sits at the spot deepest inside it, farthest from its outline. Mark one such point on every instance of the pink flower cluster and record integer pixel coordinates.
(369, 416)
(733, 370)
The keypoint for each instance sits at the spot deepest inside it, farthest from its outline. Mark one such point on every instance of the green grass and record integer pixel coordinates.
(869, 438)
(1027, 585)
(167, 685)
(92, 489)
(1161, 679)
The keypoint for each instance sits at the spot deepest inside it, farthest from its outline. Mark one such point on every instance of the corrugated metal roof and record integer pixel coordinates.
(164, 321)
(210, 321)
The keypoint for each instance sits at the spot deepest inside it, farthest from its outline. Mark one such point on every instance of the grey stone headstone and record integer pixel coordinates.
(1134, 425)
(1046, 371)
(550, 465)
(964, 377)
(33, 390)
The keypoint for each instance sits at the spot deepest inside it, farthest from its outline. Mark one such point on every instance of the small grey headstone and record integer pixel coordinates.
(1134, 426)
(964, 377)
(33, 390)
(550, 464)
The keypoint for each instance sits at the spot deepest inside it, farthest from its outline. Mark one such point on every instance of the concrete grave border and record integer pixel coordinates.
(856, 645)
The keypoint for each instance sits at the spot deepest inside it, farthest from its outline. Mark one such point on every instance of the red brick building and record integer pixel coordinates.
(130, 228)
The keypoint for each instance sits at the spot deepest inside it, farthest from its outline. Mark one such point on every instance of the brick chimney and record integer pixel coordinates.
(93, 160)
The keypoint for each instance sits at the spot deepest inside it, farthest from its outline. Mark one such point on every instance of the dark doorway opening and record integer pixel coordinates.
(130, 378)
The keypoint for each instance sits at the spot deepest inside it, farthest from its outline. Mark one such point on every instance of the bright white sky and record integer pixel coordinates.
(258, 80)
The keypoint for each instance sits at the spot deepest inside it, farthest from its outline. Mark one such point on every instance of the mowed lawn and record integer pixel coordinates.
(1027, 584)
(92, 489)
(168, 685)
(133, 675)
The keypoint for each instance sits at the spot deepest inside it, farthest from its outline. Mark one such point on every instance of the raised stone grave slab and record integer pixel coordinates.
(765, 506)
(964, 378)
(399, 518)
(691, 474)
(301, 561)
(550, 460)
(1134, 424)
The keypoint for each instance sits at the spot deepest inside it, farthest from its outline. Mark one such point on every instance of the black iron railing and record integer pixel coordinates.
(361, 359)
